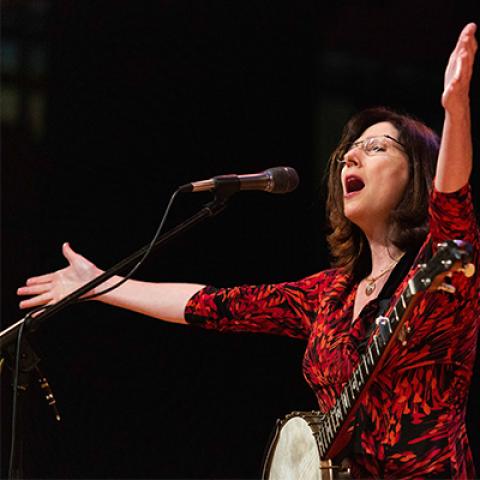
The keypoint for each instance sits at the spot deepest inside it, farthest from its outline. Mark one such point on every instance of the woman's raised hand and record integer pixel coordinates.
(459, 71)
(50, 288)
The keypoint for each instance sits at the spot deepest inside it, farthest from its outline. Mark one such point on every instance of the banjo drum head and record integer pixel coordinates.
(294, 454)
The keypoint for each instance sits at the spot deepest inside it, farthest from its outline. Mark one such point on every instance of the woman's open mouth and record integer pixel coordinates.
(353, 184)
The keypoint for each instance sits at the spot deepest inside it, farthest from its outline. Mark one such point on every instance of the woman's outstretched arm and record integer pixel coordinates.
(165, 301)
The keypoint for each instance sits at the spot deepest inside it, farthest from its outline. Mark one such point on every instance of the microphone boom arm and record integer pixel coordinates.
(31, 324)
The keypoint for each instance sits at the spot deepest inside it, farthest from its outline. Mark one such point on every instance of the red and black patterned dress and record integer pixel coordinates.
(412, 420)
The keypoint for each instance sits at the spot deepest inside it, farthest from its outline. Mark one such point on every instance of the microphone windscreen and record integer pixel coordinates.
(284, 179)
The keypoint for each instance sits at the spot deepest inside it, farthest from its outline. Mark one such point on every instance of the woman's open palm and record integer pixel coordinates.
(49, 288)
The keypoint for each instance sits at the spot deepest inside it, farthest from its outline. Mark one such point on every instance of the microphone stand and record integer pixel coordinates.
(30, 324)
(28, 365)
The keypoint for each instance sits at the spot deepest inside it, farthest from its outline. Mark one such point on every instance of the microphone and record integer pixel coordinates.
(273, 180)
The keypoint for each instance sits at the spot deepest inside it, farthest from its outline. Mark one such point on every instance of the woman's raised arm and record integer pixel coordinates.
(455, 157)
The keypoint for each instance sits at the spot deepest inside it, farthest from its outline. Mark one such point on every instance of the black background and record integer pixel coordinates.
(143, 97)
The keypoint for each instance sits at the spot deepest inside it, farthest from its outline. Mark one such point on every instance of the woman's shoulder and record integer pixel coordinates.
(325, 278)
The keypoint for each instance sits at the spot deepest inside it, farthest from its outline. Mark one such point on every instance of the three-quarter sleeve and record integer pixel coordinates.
(452, 216)
(284, 309)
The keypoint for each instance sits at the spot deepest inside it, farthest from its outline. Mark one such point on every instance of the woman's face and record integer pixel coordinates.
(374, 177)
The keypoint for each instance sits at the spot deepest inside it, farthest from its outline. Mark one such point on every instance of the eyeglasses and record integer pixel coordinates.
(371, 146)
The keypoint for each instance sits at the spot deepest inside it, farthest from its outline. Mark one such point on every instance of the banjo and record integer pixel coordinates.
(305, 443)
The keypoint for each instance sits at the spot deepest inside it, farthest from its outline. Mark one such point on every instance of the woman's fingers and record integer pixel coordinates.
(35, 289)
(466, 47)
(467, 37)
(46, 278)
(467, 43)
(463, 67)
(68, 252)
(36, 314)
(42, 299)
(77, 261)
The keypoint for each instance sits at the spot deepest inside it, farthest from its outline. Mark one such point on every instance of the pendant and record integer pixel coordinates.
(370, 288)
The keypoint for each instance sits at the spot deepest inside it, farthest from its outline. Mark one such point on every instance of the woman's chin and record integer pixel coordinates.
(356, 213)
(360, 215)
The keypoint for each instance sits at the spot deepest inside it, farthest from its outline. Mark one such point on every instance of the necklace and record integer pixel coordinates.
(371, 281)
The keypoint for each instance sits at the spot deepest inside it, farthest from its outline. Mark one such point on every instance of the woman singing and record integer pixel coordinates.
(395, 191)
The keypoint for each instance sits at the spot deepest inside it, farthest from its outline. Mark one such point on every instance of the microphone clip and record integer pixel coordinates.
(225, 187)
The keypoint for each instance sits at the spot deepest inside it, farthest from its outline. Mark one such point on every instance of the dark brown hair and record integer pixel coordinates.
(409, 220)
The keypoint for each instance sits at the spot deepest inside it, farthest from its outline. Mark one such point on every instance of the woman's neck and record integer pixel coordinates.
(384, 255)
